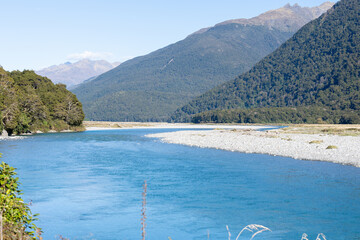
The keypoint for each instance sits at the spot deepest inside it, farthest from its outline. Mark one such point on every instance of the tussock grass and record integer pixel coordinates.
(253, 228)
(256, 229)
(316, 141)
(331, 129)
(320, 236)
(331, 147)
(143, 211)
(272, 136)
(201, 135)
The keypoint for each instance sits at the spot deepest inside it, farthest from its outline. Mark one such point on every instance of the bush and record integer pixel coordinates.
(16, 219)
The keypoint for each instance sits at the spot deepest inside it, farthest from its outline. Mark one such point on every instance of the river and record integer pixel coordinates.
(89, 186)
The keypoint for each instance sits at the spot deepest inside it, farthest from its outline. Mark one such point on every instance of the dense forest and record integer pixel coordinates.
(318, 68)
(311, 114)
(29, 102)
(152, 87)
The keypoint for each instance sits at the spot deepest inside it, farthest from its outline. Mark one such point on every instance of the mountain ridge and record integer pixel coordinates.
(152, 87)
(318, 67)
(276, 17)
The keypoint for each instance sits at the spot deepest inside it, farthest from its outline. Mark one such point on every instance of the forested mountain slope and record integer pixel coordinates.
(29, 102)
(151, 87)
(319, 67)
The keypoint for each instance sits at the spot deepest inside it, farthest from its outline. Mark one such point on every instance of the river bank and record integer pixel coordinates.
(102, 125)
(333, 143)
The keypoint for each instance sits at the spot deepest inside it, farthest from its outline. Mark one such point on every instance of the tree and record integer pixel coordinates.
(16, 219)
(8, 102)
(29, 102)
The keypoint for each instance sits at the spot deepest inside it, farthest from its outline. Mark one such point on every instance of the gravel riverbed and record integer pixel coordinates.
(320, 147)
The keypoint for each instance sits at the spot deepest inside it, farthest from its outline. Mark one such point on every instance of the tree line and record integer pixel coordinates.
(285, 115)
(29, 103)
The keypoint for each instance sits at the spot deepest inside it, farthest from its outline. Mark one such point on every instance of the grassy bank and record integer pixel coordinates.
(332, 129)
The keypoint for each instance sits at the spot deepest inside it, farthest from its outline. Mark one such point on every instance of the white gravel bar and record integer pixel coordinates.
(172, 126)
(346, 149)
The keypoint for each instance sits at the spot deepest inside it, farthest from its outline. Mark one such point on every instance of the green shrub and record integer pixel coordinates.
(15, 215)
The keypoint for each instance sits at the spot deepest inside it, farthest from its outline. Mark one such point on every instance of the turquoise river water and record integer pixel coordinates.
(89, 186)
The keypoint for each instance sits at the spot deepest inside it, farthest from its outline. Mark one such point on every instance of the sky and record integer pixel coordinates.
(40, 33)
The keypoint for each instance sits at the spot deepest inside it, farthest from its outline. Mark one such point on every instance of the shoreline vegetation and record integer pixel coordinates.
(16, 219)
(30, 103)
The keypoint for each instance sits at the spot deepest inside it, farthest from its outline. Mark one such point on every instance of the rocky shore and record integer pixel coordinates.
(103, 125)
(321, 147)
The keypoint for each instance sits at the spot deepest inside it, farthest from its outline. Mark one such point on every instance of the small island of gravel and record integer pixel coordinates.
(332, 143)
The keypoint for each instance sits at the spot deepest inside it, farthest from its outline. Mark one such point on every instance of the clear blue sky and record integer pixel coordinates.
(40, 33)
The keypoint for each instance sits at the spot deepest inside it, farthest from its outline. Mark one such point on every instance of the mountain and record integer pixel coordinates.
(287, 18)
(152, 87)
(312, 77)
(72, 74)
(29, 102)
